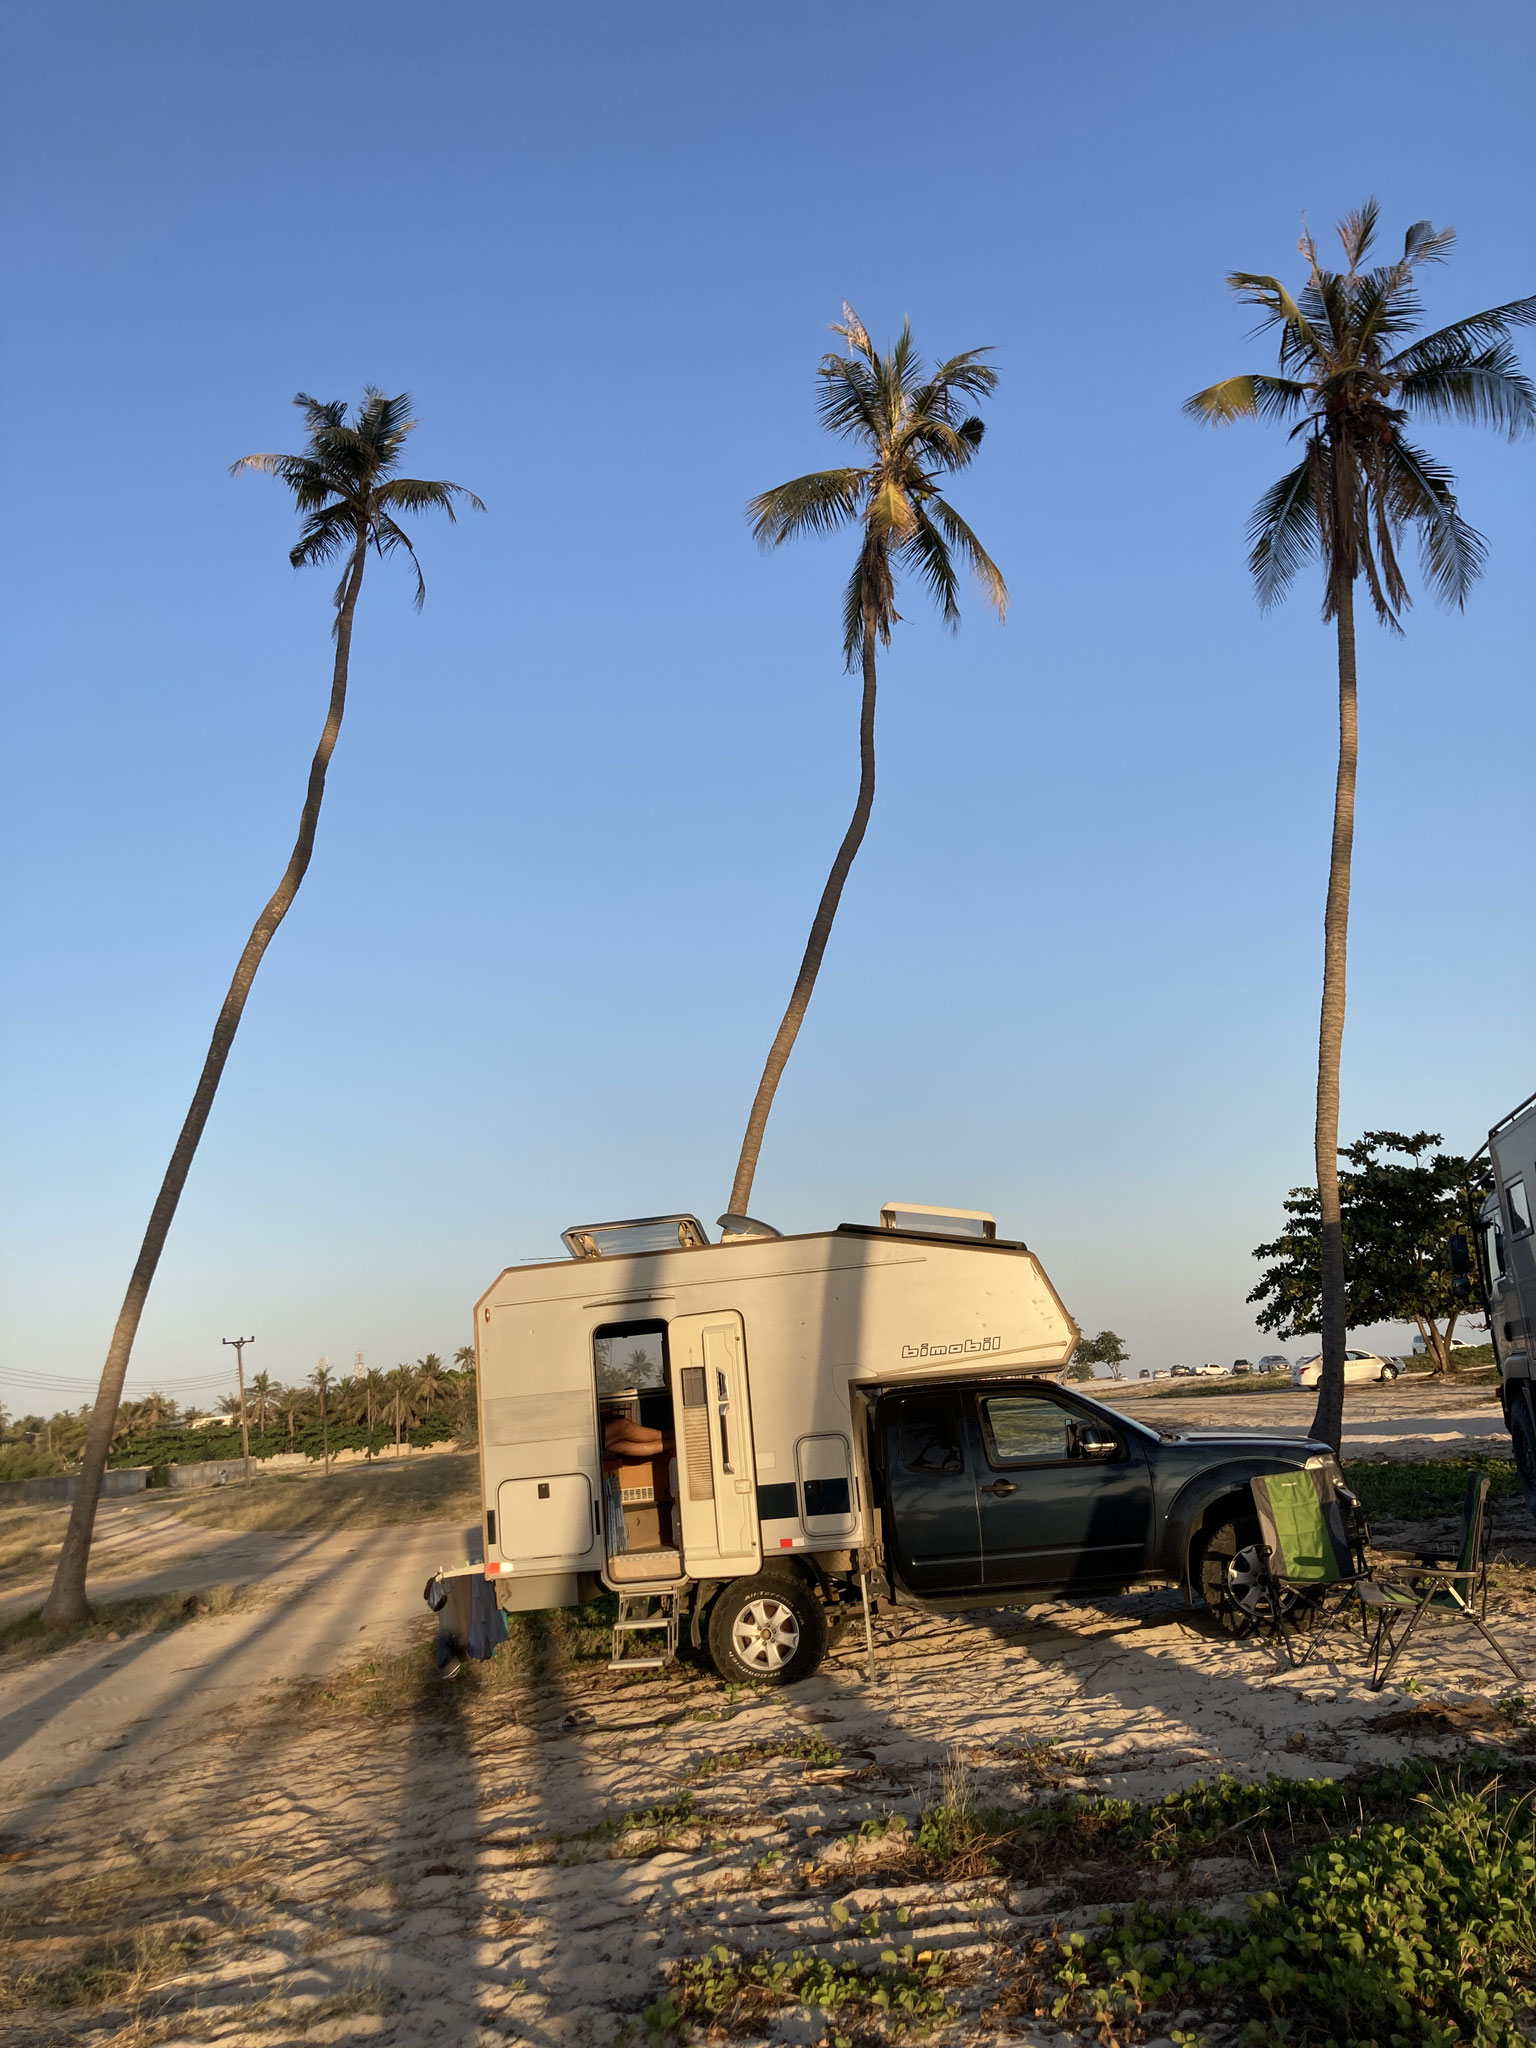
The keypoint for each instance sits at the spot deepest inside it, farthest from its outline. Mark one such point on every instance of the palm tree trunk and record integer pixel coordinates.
(1328, 1422)
(821, 931)
(66, 1602)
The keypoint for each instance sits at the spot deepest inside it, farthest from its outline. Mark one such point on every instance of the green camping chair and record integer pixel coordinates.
(1455, 1592)
(1313, 1565)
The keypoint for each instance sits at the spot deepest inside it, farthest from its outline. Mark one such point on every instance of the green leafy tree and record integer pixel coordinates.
(1104, 1349)
(1351, 380)
(915, 424)
(1400, 1202)
(346, 489)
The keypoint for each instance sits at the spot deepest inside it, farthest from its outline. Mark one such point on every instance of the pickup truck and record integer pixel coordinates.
(997, 1492)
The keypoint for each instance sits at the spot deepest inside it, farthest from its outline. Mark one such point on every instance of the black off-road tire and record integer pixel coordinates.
(769, 1630)
(1225, 1575)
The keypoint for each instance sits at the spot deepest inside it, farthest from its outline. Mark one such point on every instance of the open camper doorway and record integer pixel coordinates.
(632, 1371)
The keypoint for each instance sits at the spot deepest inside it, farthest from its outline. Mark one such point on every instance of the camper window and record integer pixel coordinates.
(1519, 1208)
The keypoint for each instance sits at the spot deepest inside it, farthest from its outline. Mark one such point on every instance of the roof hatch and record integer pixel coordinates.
(932, 1221)
(634, 1234)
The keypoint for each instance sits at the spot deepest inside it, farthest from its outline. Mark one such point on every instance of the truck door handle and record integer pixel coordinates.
(1001, 1488)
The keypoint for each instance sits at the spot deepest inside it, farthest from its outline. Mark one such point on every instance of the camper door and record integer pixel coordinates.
(716, 1464)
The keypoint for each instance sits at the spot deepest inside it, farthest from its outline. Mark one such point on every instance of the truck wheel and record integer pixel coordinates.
(769, 1628)
(1228, 1576)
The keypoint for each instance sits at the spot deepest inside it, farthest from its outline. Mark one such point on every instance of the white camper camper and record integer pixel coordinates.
(684, 1423)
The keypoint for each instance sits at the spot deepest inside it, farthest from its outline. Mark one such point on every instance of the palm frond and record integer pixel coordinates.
(818, 503)
(1384, 303)
(325, 534)
(849, 401)
(1425, 243)
(938, 440)
(387, 536)
(412, 494)
(854, 332)
(1282, 532)
(966, 374)
(1357, 231)
(924, 550)
(960, 536)
(1422, 490)
(1256, 397)
(1253, 288)
(1470, 334)
(1486, 388)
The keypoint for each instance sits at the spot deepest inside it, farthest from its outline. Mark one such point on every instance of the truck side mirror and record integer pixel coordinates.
(1461, 1267)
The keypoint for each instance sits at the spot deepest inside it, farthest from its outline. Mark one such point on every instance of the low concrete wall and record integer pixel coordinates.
(212, 1472)
(26, 1492)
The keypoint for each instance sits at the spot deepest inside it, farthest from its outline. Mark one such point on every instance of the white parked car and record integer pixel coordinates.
(1358, 1365)
(1211, 1370)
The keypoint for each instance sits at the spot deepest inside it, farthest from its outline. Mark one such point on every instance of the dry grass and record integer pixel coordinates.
(25, 1636)
(381, 1496)
(30, 1539)
(82, 1944)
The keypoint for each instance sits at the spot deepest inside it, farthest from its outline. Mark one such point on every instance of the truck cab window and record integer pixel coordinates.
(1025, 1429)
(1519, 1207)
(930, 1434)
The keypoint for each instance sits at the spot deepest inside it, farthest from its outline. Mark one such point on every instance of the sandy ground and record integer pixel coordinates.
(432, 1875)
(439, 1864)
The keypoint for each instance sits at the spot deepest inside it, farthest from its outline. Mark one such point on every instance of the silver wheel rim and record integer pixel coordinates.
(765, 1634)
(1245, 1584)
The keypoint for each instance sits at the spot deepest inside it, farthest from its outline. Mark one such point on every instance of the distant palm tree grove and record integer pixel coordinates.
(379, 1414)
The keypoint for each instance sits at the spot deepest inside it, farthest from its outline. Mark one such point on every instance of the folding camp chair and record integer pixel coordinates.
(1313, 1560)
(1400, 1599)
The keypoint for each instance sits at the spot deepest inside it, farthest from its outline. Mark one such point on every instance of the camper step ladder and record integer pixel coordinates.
(637, 1612)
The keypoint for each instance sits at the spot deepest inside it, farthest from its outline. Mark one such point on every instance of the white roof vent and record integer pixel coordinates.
(928, 1220)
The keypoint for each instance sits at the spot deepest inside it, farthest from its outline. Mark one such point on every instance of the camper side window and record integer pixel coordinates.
(1519, 1207)
(930, 1434)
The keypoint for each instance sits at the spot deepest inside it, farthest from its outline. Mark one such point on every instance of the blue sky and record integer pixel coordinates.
(583, 806)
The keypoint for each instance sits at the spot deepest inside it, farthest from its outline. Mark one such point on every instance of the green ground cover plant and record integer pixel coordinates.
(730, 1992)
(1425, 1489)
(1416, 1932)
(813, 1749)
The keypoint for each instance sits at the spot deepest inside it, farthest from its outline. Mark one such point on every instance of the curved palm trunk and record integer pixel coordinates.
(66, 1601)
(1328, 1422)
(816, 946)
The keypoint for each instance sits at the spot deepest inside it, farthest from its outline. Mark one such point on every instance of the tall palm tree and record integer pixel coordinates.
(431, 1380)
(320, 1380)
(374, 1389)
(345, 486)
(1352, 380)
(263, 1398)
(401, 1394)
(915, 425)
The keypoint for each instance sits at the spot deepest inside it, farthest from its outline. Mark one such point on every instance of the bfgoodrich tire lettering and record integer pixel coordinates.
(770, 1628)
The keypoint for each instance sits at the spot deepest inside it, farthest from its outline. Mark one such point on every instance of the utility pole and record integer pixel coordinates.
(245, 1433)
